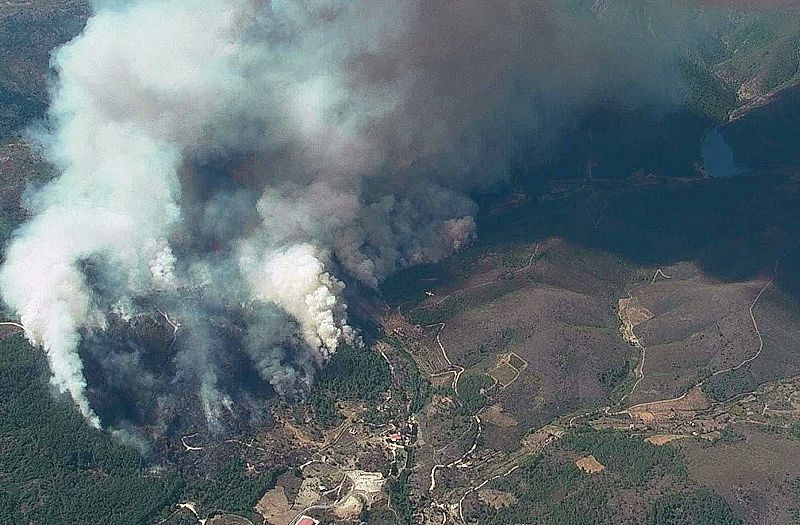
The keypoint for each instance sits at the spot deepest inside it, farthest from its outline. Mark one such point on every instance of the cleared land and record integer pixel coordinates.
(590, 465)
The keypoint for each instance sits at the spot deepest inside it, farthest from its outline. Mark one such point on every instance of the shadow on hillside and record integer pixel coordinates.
(735, 228)
(636, 206)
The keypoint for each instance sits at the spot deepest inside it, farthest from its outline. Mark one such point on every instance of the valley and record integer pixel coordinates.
(616, 342)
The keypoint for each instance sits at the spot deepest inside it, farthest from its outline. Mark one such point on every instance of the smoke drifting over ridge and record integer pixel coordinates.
(230, 163)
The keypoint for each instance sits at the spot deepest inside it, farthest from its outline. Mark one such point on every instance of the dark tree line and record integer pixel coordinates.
(54, 468)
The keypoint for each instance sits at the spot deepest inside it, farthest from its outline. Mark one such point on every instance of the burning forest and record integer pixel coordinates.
(225, 168)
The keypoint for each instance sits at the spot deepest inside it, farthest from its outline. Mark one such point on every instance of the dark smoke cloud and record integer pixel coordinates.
(226, 165)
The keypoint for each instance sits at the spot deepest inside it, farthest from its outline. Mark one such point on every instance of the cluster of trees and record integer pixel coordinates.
(547, 491)
(378, 514)
(495, 343)
(470, 388)
(231, 490)
(796, 513)
(550, 490)
(628, 456)
(794, 430)
(54, 468)
(729, 435)
(324, 407)
(706, 94)
(728, 385)
(700, 507)
(614, 373)
(355, 374)
(416, 390)
(399, 497)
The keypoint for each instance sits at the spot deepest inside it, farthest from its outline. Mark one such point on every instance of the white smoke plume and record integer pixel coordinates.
(120, 129)
(215, 154)
(295, 279)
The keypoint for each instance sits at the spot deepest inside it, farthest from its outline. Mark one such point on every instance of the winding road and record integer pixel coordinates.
(718, 372)
(640, 374)
(12, 323)
(457, 369)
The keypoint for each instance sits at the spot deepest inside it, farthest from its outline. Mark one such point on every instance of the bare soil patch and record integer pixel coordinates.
(349, 508)
(631, 314)
(275, 507)
(504, 374)
(683, 408)
(663, 439)
(495, 415)
(497, 499)
(516, 361)
(228, 519)
(590, 465)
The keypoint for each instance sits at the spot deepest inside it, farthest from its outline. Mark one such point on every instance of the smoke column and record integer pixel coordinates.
(237, 161)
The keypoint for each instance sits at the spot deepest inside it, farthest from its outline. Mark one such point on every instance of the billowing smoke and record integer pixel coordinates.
(227, 165)
(295, 279)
